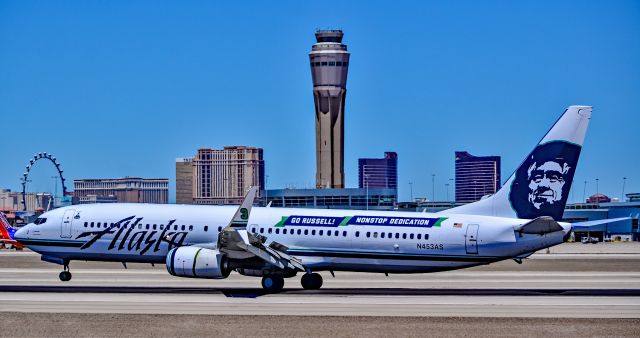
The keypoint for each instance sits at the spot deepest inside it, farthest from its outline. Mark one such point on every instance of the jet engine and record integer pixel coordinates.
(195, 262)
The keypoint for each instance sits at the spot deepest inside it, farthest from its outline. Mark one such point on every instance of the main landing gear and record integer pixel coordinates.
(275, 283)
(65, 275)
(272, 283)
(311, 281)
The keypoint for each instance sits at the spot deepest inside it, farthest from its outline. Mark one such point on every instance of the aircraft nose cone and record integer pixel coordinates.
(21, 233)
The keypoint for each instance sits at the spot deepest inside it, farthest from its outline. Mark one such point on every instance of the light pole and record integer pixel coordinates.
(453, 184)
(411, 191)
(597, 189)
(367, 182)
(55, 191)
(624, 180)
(266, 194)
(365, 178)
(584, 192)
(433, 187)
(446, 186)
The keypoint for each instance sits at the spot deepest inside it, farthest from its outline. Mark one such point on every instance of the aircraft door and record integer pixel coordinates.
(471, 239)
(67, 220)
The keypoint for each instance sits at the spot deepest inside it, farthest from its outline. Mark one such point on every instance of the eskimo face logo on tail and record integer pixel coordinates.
(542, 183)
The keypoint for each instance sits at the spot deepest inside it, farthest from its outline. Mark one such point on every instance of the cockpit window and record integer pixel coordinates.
(39, 220)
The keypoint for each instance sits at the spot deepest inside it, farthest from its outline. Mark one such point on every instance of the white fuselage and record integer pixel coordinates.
(353, 240)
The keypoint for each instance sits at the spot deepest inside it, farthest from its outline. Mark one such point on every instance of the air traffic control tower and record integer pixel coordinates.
(329, 65)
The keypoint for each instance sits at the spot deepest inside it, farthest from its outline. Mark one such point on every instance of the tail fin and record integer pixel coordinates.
(540, 186)
(6, 230)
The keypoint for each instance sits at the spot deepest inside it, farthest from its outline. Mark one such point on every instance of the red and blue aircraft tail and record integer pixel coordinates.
(6, 230)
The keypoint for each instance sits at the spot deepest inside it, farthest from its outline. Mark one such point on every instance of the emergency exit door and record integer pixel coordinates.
(67, 220)
(471, 239)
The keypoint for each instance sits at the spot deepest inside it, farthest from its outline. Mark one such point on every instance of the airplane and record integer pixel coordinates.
(199, 241)
(7, 232)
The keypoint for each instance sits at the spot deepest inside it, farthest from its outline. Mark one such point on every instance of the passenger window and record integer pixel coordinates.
(182, 228)
(313, 232)
(175, 227)
(382, 235)
(155, 226)
(410, 236)
(191, 228)
(320, 232)
(357, 233)
(390, 235)
(219, 229)
(397, 235)
(375, 235)
(368, 234)
(328, 232)
(404, 236)
(270, 230)
(419, 236)
(162, 227)
(147, 226)
(98, 225)
(426, 236)
(277, 231)
(284, 231)
(140, 226)
(344, 234)
(306, 232)
(206, 228)
(336, 233)
(91, 225)
(262, 230)
(86, 224)
(299, 231)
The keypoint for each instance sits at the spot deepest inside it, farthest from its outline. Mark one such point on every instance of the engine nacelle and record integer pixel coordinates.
(195, 262)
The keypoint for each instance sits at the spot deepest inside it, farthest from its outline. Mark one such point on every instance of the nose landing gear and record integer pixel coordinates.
(65, 275)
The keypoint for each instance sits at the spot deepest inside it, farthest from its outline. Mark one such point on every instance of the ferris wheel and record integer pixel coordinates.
(25, 175)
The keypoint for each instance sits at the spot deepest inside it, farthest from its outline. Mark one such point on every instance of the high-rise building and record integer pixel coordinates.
(476, 176)
(122, 190)
(219, 176)
(184, 180)
(378, 172)
(329, 61)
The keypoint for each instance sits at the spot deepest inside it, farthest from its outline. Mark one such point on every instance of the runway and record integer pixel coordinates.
(568, 283)
(575, 290)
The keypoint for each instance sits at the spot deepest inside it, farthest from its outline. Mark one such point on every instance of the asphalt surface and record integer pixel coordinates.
(575, 290)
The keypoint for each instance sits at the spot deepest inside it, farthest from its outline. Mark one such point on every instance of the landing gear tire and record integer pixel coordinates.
(272, 283)
(65, 276)
(311, 281)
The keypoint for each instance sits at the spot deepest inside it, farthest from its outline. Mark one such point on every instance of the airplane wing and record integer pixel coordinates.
(235, 241)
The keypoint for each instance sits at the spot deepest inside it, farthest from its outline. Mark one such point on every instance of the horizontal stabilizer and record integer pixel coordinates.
(588, 224)
(541, 225)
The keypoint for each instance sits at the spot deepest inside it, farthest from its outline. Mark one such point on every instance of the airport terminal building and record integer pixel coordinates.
(347, 198)
(621, 230)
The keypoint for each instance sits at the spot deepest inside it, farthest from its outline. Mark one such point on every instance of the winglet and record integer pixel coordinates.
(241, 217)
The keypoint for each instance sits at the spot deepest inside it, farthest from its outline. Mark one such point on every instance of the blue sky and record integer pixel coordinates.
(122, 88)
